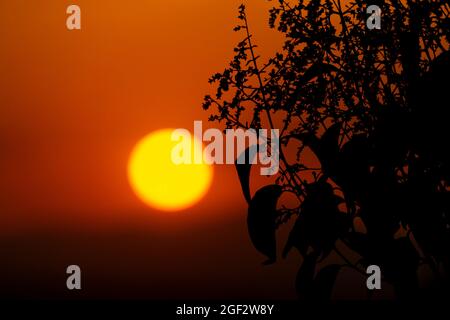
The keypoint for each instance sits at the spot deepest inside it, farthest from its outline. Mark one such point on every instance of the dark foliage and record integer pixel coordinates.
(371, 105)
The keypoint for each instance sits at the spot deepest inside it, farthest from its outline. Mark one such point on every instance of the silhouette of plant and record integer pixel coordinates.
(370, 105)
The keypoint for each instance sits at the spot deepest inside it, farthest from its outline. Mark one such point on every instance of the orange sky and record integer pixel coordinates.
(72, 106)
(73, 103)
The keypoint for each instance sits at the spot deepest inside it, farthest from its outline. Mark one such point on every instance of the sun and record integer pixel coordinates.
(160, 183)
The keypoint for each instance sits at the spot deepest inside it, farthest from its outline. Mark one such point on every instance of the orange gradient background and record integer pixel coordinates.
(74, 103)
(72, 106)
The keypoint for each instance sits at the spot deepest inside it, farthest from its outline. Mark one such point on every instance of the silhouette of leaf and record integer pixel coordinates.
(429, 112)
(410, 52)
(261, 220)
(358, 242)
(305, 275)
(324, 282)
(329, 148)
(391, 136)
(352, 172)
(297, 238)
(400, 263)
(326, 148)
(320, 222)
(244, 169)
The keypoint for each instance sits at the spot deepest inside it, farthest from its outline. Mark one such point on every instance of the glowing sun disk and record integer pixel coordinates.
(160, 183)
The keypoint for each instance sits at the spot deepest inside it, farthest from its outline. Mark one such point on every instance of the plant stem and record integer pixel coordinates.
(294, 178)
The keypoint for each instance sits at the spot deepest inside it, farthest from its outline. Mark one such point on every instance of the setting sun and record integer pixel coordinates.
(160, 183)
